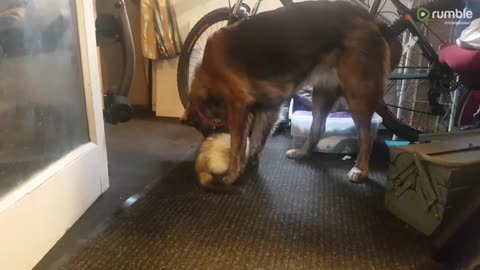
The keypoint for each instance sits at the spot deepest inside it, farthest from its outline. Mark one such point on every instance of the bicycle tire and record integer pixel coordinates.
(396, 126)
(390, 121)
(407, 132)
(211, 18)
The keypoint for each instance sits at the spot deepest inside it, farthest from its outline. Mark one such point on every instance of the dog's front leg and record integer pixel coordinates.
(322, 102)
(238, 123)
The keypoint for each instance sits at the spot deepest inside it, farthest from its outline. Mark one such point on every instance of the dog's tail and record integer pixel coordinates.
(395, 46)
(282, 122)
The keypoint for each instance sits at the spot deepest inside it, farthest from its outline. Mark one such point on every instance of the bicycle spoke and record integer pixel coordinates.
(389, 87)
(435, 34)
(196, 55)
(388, 12)
(407, 97)
(408, 109)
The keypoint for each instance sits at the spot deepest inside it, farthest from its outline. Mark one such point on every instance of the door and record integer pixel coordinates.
(53, 162)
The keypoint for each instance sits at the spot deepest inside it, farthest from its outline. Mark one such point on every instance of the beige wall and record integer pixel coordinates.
(167, 102)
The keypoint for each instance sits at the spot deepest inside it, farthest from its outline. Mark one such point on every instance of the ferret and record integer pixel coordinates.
(213, 161)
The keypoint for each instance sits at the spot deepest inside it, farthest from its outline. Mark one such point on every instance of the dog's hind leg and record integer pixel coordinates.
(363, 95)
(362, 116)
(264, 121)
(363, 68)
(323, 100)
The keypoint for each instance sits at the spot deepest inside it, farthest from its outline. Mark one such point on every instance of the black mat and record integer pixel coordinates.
(291, 215)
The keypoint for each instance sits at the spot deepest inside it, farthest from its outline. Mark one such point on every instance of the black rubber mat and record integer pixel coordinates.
(290, 215)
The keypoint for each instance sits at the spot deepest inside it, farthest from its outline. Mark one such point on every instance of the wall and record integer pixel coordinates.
(167, 102)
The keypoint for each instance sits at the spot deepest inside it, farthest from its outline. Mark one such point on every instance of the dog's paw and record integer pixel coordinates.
(230, 178)
(296, 153)
(355, 175)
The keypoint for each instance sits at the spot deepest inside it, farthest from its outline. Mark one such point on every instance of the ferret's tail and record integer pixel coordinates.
(209, 184)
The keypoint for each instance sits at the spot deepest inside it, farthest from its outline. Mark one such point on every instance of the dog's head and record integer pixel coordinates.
(205, 111)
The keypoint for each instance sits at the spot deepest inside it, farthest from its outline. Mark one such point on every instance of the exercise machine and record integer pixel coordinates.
(114, 26)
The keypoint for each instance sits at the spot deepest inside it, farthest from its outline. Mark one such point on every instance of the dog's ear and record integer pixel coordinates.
(199, 86)
(196, 96)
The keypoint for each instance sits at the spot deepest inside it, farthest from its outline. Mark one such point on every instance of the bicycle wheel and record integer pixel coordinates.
(415, 101)
(193, 47)
(421, 98)
(408, 109)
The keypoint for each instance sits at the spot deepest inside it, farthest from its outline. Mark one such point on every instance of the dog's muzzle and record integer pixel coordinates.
(201, 122)
(212, 124)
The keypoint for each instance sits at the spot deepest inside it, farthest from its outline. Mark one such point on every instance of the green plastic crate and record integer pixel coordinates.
(428, 184)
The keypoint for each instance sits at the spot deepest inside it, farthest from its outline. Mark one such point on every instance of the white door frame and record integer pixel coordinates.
(35, 215)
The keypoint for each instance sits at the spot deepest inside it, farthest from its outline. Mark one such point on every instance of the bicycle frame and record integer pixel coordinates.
(239, 3)
(375, 6)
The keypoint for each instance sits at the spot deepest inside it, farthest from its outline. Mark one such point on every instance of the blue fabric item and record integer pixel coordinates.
(396, 143)
(474, 6)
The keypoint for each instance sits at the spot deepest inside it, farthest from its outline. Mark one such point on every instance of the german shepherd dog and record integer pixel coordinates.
(254, 65)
